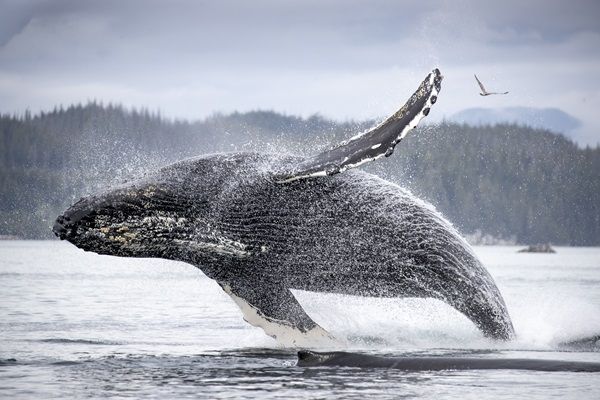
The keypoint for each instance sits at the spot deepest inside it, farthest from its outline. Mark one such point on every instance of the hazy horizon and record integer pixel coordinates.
(469, 117)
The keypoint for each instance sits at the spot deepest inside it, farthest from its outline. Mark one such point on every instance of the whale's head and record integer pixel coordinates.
(131, 221)
(164, 215)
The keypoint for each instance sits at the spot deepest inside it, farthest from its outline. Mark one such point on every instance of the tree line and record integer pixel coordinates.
(506, 181)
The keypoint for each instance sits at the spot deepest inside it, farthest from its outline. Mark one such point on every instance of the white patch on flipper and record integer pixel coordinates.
(411, 125)
(281, 331)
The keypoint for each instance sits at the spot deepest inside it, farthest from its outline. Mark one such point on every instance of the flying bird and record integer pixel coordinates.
(485, 92)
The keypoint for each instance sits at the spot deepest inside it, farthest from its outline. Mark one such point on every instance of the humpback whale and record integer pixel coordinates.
(261, 225)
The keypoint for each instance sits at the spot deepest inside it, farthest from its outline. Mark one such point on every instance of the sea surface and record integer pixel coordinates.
(79, 325)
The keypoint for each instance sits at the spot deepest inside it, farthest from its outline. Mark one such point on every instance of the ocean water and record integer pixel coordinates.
(79, 325)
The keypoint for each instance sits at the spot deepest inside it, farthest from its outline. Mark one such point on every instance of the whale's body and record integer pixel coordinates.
(257, 229)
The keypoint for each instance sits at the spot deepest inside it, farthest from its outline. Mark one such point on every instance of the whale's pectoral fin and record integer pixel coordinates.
(374, 143)
(278, 313)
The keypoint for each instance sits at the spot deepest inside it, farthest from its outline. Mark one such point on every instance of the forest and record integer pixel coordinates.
(504, 183)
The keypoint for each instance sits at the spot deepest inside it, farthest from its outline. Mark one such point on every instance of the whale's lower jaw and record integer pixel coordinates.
(282, 331)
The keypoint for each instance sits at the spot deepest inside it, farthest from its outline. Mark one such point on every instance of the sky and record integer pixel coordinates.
(342, 59)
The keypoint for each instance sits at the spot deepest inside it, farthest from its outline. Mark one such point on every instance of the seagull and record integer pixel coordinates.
(485, 92)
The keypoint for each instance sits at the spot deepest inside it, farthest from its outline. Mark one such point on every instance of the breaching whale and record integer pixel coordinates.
(262, 224)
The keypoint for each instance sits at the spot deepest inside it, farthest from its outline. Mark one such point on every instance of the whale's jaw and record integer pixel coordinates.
(133, 221)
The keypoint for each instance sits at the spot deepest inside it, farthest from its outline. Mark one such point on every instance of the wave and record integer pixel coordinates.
(547, 320)
(585, 344)
(359, 360)
(78, 341)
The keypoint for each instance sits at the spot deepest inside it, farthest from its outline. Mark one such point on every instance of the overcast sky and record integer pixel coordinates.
(343, 59)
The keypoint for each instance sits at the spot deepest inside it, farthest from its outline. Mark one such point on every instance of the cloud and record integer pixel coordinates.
(345, 59)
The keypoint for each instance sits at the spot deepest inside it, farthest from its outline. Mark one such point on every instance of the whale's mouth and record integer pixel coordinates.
(60, 228)
(131, 221)
(97, 224)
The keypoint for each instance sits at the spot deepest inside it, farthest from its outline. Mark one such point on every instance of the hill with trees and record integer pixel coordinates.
(510, 182)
